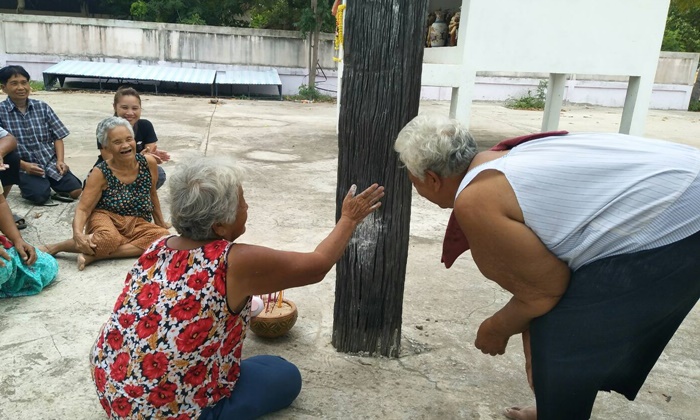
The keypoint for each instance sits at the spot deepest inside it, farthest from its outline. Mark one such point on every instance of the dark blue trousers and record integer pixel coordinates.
(266, 384)
(611, 326)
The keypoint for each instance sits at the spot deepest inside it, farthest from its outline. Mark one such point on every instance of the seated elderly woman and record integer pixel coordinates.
(595, 235)
(172, 346)
(115, 213)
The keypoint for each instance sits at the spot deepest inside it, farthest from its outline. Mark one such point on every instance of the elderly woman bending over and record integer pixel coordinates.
(597, 237)
(173, 345)
(115, 213)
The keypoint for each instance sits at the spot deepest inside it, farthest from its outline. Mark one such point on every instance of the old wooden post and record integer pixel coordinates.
(383, 55)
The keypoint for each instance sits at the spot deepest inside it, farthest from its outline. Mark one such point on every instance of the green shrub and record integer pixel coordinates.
(308, 93)
(694, 106)
(529, 101)
(36, 85)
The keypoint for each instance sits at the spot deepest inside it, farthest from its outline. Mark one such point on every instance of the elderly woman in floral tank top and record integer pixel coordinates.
(172, 347)
(119, 213)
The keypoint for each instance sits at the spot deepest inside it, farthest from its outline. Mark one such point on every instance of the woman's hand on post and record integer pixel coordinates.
(357, 207)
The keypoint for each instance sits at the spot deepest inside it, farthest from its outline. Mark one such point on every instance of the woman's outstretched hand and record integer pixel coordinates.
(357, 207)
(160, 155)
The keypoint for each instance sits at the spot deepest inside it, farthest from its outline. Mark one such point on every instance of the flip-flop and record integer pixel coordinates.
(19, 221)
(62, 197)
(47, 203)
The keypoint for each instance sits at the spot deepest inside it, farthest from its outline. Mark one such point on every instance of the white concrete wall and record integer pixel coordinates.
(589, 92)
(673, 85)
(37, 42)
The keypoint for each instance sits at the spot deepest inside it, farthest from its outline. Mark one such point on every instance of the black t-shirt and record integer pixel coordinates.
(144, 134)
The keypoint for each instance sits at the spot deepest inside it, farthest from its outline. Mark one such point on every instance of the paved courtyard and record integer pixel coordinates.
(291, 151)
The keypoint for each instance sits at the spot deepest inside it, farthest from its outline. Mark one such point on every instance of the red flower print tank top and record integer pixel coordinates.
(171, 347)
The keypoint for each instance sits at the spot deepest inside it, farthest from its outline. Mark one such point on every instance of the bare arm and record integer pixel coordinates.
(255, 270)
(60, 155)
(9, 229)
(94, 185)
(508, 252)
(8, 143)
(59, 146)
(157, 213)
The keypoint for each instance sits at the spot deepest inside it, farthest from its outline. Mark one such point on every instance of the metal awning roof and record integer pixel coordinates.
(122, 71)
(248, 77)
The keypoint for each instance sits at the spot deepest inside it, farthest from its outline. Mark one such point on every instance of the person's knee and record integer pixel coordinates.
(69, 184)
(106, 240)
(290, 378)
(36, 195)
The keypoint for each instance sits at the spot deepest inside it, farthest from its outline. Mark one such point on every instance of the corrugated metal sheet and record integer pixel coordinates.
(132, 72)
(248, 77)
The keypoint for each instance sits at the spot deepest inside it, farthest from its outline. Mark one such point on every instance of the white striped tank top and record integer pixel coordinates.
(591, 196)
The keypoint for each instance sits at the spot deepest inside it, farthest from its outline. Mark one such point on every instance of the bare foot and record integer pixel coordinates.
(84, 260)
(47, 249)
(517, 413)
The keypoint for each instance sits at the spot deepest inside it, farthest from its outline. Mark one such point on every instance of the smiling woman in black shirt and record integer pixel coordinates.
(127, 104)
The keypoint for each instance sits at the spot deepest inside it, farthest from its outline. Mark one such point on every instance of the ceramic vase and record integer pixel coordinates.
(438, 31)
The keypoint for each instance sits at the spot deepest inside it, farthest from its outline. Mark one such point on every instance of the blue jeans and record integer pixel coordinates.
(267, 384)
(37, 189)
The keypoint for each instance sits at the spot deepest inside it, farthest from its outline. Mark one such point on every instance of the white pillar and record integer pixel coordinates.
(634, 114)
(461, 104)
(553, 103)
(453, 102)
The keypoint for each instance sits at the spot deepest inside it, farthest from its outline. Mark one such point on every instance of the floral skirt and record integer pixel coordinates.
(110, 231)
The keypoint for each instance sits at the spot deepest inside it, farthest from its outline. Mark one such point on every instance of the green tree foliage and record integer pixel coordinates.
(290, 15)
(266, 14)
(682, 27)
(195, 12)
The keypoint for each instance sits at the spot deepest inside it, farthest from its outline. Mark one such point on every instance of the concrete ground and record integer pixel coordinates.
(291, 150)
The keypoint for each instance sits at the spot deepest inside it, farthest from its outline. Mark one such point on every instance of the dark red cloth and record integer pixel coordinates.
(455, 243)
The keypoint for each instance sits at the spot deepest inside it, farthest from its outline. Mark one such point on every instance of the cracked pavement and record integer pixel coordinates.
(291, 150)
